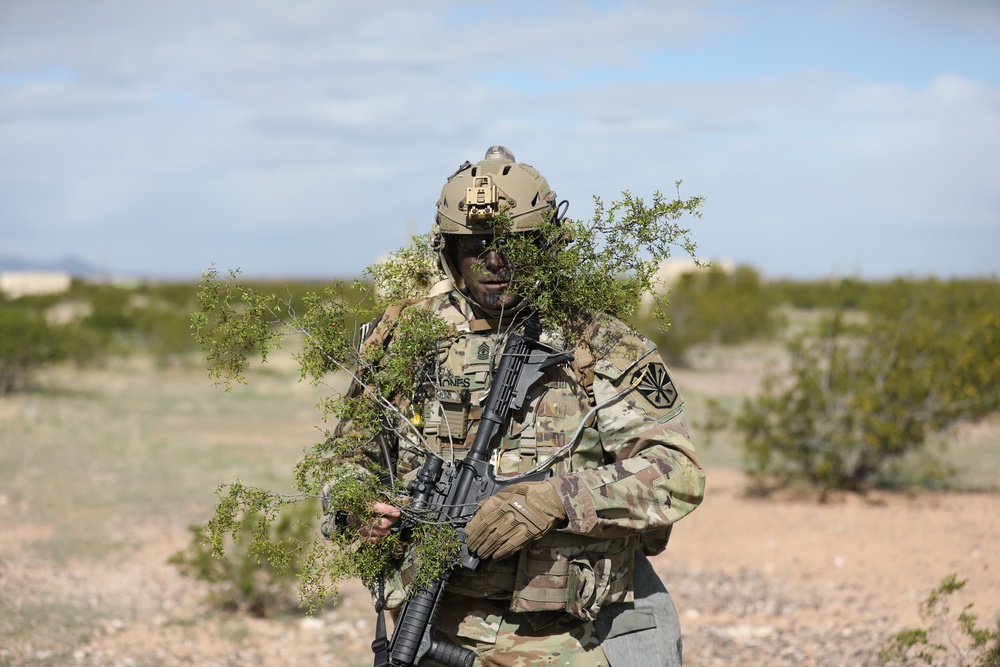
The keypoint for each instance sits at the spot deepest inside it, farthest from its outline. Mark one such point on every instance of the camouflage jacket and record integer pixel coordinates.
(610, 426)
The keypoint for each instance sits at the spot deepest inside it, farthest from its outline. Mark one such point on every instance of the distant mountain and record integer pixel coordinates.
(75, 266)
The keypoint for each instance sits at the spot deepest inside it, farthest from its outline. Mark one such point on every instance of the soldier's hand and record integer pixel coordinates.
(507, 521)
(381, 524)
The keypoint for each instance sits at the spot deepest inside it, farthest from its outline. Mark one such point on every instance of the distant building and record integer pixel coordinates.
(16, 284)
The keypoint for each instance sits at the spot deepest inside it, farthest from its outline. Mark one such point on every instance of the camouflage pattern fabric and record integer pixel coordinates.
(628, 474)
(511, 641)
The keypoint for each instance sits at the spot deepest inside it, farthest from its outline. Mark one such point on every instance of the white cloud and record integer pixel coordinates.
(336, 124)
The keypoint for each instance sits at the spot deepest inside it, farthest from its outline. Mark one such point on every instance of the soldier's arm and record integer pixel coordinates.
(653, 478)
(370, 455)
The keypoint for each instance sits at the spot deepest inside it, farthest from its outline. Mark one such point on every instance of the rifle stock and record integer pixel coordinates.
(452, 492)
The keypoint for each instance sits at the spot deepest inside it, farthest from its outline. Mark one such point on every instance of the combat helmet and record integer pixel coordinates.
(477, 192)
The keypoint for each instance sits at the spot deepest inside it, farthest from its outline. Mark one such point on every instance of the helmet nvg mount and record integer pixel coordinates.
(475, 194)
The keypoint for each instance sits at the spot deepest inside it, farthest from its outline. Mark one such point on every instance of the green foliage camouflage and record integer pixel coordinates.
(601, 266)
(862, 395)
(948, 640)
(571, 272)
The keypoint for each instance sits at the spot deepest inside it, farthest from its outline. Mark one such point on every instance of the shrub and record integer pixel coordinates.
(242, 581)
(26, 342)
(715, 306)
(846, 293)
(861, 396)
(92, 322)
(129, 320)
(948, 641)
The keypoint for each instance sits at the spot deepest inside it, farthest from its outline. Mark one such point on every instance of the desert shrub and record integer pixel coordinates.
(160, 321)
(715, 306)
(846, 293)
(26, 342)
(158, 317)
(124, 320)
(948, 640)
(165, 333)
(241, 580)
(861, 295)
(859, 397)
(100, 331)
(96, 321)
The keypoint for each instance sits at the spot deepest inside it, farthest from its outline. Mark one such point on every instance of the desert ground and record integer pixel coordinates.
(103, 469)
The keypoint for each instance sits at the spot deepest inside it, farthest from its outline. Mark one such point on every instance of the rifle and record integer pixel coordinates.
(446, 492)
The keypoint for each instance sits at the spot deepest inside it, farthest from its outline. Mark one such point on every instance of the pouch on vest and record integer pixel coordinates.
(573, 574)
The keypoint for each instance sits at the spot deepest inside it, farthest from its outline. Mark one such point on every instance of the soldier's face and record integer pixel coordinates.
(485, 272)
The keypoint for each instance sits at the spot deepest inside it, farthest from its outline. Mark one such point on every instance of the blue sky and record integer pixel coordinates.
(308, 138)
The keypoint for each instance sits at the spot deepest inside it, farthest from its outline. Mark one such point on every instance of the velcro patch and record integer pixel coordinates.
(655, 385)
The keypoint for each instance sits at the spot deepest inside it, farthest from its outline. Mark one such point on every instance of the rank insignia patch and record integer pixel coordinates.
(655, 385)
(483, 352)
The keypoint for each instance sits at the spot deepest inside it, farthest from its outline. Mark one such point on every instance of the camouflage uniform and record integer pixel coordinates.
(631, 474)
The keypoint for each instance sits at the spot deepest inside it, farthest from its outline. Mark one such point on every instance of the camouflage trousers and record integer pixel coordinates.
(643, 632)
(502, 638)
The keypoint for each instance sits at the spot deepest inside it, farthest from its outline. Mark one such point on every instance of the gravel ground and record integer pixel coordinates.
(763, 582)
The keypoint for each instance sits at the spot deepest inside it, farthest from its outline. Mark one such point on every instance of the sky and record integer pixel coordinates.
(309, 138)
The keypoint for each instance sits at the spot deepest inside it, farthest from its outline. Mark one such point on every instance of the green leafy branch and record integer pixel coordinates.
(236, 323)
(244, 580)
(571, 272)
(233, 324)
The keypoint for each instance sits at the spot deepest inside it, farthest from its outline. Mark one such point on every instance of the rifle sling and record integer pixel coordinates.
(380, 646)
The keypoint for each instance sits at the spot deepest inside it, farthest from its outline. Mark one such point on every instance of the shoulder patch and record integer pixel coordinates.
(655, 386)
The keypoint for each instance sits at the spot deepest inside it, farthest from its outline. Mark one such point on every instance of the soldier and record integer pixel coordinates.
(563, 578)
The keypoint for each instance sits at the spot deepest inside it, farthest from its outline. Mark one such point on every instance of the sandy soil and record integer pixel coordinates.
(783, 581)
(763, 582)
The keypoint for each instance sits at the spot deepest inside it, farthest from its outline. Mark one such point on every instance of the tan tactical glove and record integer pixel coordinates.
(507, 521)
